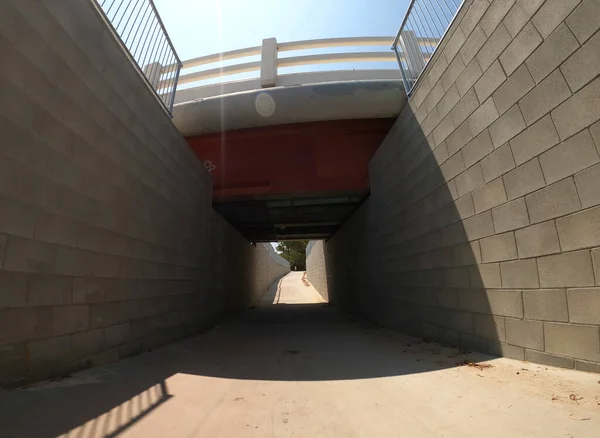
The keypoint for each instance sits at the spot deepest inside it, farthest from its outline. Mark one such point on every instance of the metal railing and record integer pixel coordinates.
(264, 72)
(139, 29)
(424, 20)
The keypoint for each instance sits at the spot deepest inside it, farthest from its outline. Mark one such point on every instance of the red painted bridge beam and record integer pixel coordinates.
(302, 158)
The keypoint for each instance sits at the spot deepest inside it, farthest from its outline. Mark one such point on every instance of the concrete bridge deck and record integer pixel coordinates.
(298, 368)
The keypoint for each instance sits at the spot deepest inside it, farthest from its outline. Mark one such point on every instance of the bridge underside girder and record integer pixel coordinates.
(267, 220)
(295, 181)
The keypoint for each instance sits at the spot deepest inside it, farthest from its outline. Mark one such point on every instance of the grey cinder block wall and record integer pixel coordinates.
(268, 267)
(108, 242)
(316, 268)
(483, 226)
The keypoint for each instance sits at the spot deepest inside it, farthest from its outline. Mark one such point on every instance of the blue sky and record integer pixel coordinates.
(203, 27)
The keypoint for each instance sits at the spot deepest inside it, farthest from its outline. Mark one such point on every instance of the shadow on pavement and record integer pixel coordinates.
(310, 342)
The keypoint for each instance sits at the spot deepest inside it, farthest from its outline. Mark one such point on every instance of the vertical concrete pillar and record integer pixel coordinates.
(268, 63)
(153, 73)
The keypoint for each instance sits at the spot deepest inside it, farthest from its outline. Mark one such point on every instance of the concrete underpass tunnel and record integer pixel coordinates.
(402, 260)
(480, 229)
(109, 246)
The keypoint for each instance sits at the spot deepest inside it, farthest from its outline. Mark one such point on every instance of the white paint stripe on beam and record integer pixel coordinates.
(336, 58)
(217, 57)
(336, 42)
(218, 72)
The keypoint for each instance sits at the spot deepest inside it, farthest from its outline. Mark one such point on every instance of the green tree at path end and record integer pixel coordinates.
(294, 251)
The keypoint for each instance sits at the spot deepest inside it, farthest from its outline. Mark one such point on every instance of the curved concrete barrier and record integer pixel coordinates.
(282, 105)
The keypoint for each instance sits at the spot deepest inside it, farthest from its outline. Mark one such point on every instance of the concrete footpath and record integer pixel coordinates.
(294, 288)
(299, 369)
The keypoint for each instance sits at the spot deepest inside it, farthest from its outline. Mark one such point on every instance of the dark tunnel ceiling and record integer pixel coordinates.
(268, 220)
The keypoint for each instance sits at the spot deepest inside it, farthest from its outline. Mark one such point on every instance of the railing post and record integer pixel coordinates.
(268, 63)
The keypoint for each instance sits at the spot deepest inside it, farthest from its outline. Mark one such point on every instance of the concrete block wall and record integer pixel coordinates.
(268, 267)
(240, 272)
(108, 242)
(316, 268)
(483, 226)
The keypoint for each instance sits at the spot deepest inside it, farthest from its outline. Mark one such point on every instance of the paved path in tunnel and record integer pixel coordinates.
(303, 370)
(291, 289)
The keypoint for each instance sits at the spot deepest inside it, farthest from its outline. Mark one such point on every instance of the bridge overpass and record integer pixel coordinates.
(309, 136)
(129, 220)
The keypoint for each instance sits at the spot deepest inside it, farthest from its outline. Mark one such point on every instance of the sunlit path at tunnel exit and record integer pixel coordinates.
(294, 288)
